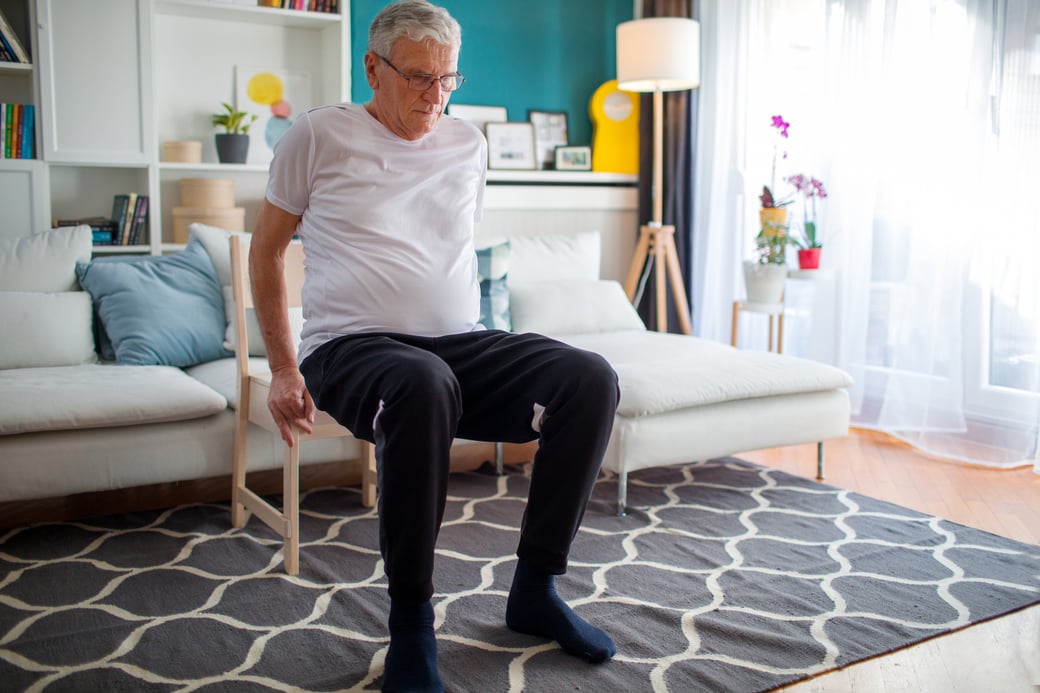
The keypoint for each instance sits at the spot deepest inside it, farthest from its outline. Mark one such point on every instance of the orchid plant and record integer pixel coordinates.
(767, 198)
(810, 188)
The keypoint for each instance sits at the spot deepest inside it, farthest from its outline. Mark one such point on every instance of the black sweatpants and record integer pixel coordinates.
(412, 396)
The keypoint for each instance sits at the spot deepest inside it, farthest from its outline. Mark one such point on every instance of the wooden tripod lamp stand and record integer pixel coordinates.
(656, 55)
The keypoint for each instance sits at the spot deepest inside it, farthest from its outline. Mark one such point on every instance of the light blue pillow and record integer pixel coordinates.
(166, 310)
(492, 270)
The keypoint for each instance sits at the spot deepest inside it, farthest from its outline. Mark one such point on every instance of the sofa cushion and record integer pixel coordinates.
(216, 242)
(45, 329)
(492, 272)
(100, 396)
(661, 372)
(165, 310)
(572, 307)
(44, 261)
(548, 256)
(220, 375)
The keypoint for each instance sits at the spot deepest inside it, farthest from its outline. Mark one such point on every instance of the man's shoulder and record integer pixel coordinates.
(333, 110)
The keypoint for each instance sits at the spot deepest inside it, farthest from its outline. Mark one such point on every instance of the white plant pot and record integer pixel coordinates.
(764, 283)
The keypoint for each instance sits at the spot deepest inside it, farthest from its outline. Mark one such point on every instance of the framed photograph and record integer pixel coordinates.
(573, 158)
(479, 115)
(511, 146)
(550, 132)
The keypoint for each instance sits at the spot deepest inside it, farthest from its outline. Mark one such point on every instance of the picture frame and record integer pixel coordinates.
(479, 115)
(550, 132)
(573, 158)
(511, 146)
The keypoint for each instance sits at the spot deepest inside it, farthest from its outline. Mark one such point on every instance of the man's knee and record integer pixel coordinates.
(594, 378)
(423, 381)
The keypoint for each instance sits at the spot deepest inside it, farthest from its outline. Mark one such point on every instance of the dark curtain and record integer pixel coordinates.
(680, 128)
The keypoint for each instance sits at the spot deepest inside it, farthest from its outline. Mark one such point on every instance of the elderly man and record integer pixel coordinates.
(385, 196)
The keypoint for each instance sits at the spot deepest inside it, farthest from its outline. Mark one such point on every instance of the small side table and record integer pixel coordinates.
(775, 311)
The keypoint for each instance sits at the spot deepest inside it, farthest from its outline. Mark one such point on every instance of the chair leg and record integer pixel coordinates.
(238, 471)
(500, 454)
(819, 461)
(369, 475)
(291, 505)
(622, 494)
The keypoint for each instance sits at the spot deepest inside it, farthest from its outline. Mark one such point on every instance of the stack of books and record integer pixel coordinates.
(307, 5)
(130, 214)
(125, 227)
(11, 49)
(17, 131)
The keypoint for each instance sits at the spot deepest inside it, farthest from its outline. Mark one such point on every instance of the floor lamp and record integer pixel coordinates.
(658, 54)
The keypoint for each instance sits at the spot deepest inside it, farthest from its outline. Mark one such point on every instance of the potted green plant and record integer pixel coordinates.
(765, 275)
(808, 243)
(233, 143)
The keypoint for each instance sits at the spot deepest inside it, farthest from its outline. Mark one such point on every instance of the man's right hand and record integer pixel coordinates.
(289, 402)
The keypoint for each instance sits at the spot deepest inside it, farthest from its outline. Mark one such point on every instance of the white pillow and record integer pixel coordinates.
(44, 261)
(217, 242)
(572, 307)
(45, 329)
(253, 334)
(550, 256)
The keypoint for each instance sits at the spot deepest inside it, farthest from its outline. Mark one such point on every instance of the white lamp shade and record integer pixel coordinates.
(658, 53)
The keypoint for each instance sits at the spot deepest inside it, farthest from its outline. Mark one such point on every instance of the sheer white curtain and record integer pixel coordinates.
(922, 117)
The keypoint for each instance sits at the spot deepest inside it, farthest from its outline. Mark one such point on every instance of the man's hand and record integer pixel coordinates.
(289, 402)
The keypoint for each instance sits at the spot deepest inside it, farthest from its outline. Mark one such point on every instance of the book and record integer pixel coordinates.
(10, 40)
(140, 219)
(128, 221)
(120, 208)
(28, 150)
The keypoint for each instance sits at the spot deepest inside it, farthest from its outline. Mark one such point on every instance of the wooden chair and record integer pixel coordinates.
(253, 389)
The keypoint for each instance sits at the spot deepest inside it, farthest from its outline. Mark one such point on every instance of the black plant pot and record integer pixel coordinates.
(232, 149)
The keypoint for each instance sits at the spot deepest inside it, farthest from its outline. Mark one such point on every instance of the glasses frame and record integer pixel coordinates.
(457, 76)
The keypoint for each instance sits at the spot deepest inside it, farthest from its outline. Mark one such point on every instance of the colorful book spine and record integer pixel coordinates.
(9, 40)
(120, 208)
(140, 219)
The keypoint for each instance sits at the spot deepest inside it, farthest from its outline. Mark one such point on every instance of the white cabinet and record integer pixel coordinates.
(24, 198)
(94, 67)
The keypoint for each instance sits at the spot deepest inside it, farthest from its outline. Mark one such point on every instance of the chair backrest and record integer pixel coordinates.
(242, 293)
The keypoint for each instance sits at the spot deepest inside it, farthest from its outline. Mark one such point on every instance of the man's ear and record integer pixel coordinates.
(370, 69)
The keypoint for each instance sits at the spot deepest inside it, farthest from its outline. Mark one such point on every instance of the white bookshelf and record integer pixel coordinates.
(105, 106)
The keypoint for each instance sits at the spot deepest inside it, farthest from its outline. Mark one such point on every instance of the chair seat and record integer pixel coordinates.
(324, 426)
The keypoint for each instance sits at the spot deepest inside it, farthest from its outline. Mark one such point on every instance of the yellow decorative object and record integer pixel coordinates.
(615, 129)
(773, 220)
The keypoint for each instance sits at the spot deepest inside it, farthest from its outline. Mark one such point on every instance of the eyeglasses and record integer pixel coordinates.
(422, 82)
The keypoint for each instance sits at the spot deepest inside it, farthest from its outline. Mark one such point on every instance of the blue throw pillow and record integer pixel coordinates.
(166, 310)
(492, 270)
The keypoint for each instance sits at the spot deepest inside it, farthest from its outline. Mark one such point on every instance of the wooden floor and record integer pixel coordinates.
(999, 656)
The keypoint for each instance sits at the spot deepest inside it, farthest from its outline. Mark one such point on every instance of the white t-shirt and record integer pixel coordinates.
(387, 223)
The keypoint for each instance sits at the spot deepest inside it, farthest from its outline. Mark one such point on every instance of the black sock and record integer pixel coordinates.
(534, 608)
(411, 662)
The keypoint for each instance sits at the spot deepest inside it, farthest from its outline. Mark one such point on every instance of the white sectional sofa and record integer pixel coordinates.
(682, 398)
(73, 422)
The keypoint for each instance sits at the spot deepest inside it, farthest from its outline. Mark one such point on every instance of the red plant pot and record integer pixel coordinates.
(809, 258)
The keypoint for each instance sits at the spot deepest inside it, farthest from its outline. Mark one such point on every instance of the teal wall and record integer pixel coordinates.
(528, 54)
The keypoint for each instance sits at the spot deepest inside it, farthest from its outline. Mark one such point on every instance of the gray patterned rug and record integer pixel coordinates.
(729, 576)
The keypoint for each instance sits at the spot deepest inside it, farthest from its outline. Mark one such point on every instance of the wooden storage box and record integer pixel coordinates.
(207, 193)
(229, 218)
(186, 151)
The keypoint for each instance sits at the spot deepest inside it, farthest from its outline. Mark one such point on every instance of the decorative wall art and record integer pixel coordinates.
(276, 97)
